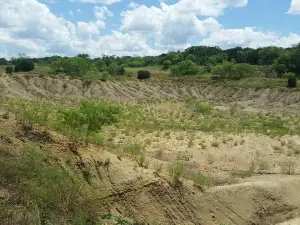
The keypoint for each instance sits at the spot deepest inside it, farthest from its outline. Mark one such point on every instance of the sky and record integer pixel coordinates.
(41, 28)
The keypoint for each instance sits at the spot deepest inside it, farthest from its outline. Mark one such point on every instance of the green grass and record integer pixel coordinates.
(176, 171)
(203, 108)
(135, 149)
(44, 192)
(201, 180)
(81, 121)
(136, 117)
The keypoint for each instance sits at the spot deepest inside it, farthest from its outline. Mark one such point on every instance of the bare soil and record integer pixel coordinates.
(269, 195)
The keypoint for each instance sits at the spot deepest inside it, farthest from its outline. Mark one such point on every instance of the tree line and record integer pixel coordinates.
(231, 63)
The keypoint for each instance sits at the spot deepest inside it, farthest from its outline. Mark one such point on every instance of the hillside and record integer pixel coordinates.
(239, 148)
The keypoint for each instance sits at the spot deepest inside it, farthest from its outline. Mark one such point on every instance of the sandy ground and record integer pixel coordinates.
(268, 194)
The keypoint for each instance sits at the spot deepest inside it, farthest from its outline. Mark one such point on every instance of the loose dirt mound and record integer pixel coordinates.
(26, 86)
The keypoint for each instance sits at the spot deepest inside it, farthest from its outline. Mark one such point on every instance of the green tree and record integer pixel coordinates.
(185, 68)
(167, 64)
(101, 66)
(24, 65)
(229, 70)
(279, 68)
(224, 70)
(90, 117)
(191, 57)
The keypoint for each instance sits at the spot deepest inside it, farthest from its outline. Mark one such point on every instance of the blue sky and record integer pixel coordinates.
(140, 27)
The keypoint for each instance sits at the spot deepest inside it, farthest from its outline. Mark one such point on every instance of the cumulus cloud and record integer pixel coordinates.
(106, 2)
(28, 26)
(295, 7)
(133, 5)
(248, 37)
(176, 25)
(207, 7)
(102, 12)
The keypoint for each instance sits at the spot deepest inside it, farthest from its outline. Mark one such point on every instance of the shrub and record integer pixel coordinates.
(9, 69)
(229, 70)
(104, 76)
(289, 75)
(292, 82)
(203, 108)
(201, 180)
(167, 64)
(142, 75)
(121, 70)
(115, 69)
(89, 118)
(184, 68)
(24, 65)
(176, 171)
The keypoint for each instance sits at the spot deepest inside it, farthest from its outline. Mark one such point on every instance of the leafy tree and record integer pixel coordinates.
(167, 64)
(243, 70)
(9, 69)
(101, 66)
(3, 61)
(191, 57)
(115, 69)
(224, 70)
(185, 68)
(279, 68)
(231, 70)
(217, 59)
(57, 65)
(83, 55)
(24, 65)
(295, 59)
(267, 55)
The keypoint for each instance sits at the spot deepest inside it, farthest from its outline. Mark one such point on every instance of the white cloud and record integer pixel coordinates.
(207, 7)
(166, 25)
(106, 2)
(248, 37)
(89, 29)
(71, 12)
(102, 12)
(295, 7)
(28, 26)
(133, 5)
(288, 41)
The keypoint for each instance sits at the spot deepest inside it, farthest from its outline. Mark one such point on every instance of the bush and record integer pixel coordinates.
(292, 82)
(89, 118)
(104, 76)
(142, 75)
(9, 69)
(184, 68)
(289, 75)
(229, 70)
(203, 108)
(201, 180)
(24, 65)
(167, 64)
(176, 171)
